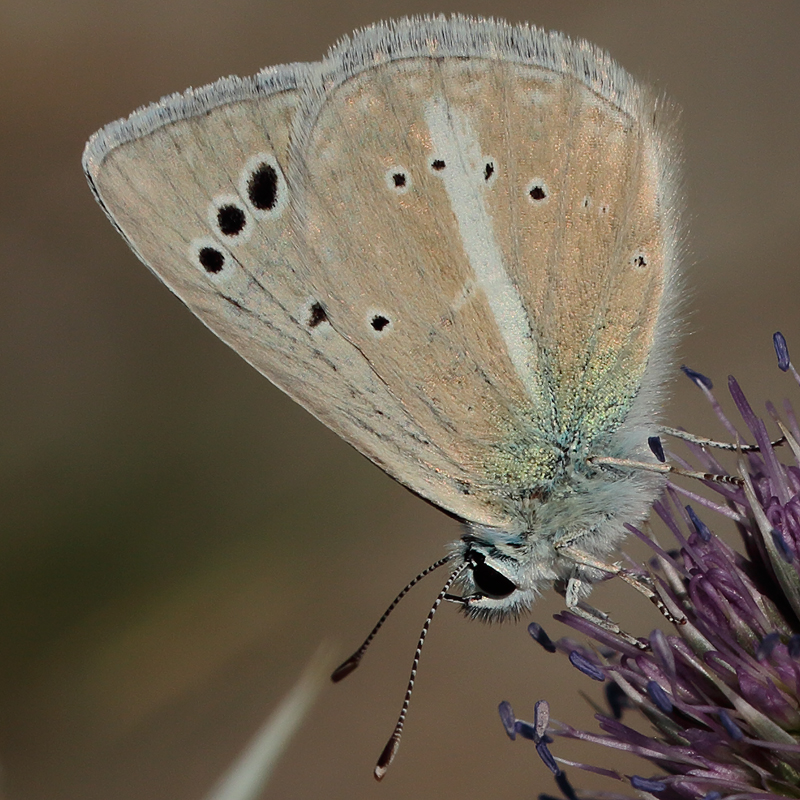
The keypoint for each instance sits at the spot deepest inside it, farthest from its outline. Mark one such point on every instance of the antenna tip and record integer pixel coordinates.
(343, 670)
(387, 756)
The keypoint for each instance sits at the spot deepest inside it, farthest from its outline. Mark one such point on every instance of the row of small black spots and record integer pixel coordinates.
(262, 191)
(536, 192)
(587, 202)
(437, 165)
(317, 315)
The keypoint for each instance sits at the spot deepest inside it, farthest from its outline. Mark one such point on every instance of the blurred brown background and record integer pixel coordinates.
(176, 537)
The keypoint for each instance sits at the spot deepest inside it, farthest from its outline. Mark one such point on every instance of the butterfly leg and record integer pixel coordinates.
(664, 469)
(642, 584)
(704, 442)
(575, 588)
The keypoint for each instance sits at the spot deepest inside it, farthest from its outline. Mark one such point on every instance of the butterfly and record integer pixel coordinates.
(455, 242)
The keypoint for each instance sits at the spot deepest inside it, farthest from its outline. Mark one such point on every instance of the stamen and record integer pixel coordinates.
(702, 529)
(539, 635)
(541, 717)
(697, 377)
(734, 731)
(566, 787)
(508, 719)
(660, 698)
(526, 730)
(647, 784)
(781, 546)
(586, 667)
(781, 351)
(768, 644)
(547, 757)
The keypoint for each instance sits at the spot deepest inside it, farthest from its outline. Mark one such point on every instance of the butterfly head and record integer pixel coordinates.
(495, 582)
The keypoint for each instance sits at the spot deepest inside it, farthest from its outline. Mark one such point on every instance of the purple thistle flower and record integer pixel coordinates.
(721, 694)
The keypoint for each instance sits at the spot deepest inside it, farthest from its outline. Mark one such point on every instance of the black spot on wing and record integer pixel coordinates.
(317, 315)
(537, 192)
(211, 260)
(262, 187)
(380, 323)
(231, 219)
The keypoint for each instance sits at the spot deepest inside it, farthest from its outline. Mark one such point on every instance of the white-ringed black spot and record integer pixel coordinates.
(398, 179)
(587, 201)
(231, 219)
(380, 323)
(316, 315)
(211, 259)
(639, 260)
(537, 191)
(262, 187)
(488, 171)
(437, 165)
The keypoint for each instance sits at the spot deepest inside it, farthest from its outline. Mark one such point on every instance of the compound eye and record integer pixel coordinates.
(490, 582)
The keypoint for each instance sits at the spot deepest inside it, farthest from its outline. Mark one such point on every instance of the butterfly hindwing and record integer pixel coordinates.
(511, 225)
